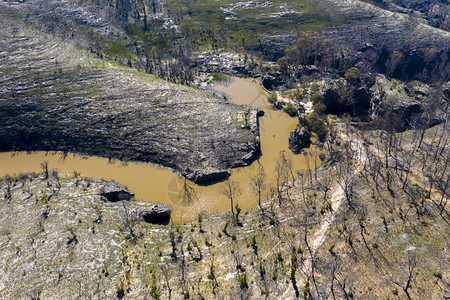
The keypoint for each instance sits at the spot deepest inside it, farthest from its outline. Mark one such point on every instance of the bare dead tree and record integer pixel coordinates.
(130, 220)
(325, 184)
(166, 275)
(408, 274)
(231, 190)
(308, 164)
(335, 270)
(44, 168)
(345, 179)
(281, 174)
(259, 183)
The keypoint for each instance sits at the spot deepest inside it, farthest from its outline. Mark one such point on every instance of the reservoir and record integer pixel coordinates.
(160, 185)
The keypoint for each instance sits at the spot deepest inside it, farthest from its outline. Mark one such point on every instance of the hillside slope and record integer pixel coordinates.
(56, 96)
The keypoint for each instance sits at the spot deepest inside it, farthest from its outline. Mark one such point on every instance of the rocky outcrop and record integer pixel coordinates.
(113, 192)
(299, 138)
(269, 81)
(157, 214)
(253, 151)
(202, 177)
(402, 100)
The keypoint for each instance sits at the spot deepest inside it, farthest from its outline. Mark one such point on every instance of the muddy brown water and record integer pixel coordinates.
(160, 185)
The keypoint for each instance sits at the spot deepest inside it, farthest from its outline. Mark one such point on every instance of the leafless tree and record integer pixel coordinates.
(44, 168)
(259, 183)
(282, 172)
(165, 272)
(345, 179)
(325, 183)
(231, 190)
(408, 274)
(130, 220)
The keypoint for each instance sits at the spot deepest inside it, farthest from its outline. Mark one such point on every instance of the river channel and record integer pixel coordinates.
(160, 185)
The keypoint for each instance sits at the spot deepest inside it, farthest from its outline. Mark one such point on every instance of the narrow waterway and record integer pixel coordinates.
(160, 185)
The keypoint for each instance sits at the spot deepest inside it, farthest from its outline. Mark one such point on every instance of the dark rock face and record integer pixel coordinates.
(158, 214)
(358, 107)
(269, 82)
(363, 98)
(299, 138)
(202, 177)
(331, 101)
(407, 112)
(113, 192)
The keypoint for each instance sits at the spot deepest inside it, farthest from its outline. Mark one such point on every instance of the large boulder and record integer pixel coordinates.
(299, 138)
(157, 214)
(202, 177)
(113, 192)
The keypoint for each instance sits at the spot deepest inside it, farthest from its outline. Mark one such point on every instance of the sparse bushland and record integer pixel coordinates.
(384, 225)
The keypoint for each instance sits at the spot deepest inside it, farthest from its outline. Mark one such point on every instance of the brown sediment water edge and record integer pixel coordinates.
(161, 185)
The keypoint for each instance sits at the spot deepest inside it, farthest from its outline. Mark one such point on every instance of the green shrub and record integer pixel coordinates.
(279, 104)
(331, 248)
(218, 77)
(224, 229)
(317, 97)
(316, 124)
(262, 269)
(352, 74)
(306, 291)
(293, 259)
(243, 281)
(292, 277)
(154, 292)
(290, 109)
(120, 291)
(272, 99)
